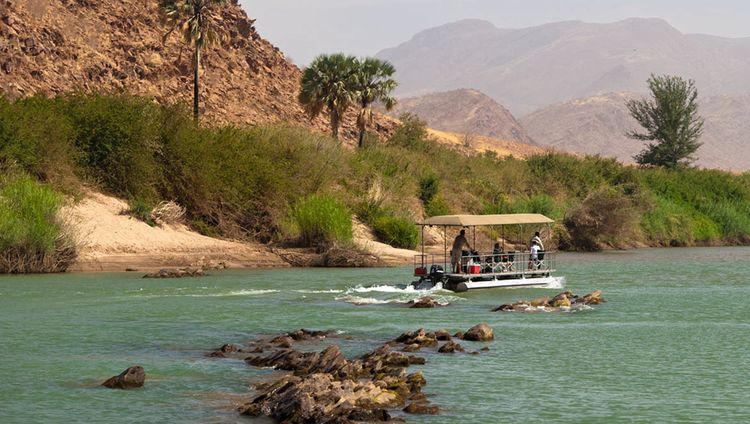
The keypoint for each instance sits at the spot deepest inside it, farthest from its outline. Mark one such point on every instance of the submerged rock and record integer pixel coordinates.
(424, 302)
(563, 301)
(176, 273)
(421, 408)
(451, 347)
(479, 333)
(132, 378)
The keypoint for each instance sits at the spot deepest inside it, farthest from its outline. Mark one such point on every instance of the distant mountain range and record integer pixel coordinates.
(569, 82)
(465, 111)
(597, 125)
(531, 68)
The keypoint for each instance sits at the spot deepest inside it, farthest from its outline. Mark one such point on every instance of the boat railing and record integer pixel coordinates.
(490, 263)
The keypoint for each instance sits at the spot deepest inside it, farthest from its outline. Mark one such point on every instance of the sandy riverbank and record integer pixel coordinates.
(111, 241)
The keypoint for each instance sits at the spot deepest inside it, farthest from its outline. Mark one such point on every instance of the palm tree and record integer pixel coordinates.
(328, 83)
(373, 83)
(197, 21)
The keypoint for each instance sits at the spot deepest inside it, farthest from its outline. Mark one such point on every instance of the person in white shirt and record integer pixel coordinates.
(538, 239)
(534, 254)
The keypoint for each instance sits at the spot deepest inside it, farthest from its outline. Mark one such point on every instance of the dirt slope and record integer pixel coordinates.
(57, 46)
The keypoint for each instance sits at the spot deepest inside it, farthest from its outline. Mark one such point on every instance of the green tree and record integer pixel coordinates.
(670, 120)
(197, 21)
(328, 83)
(373, 83)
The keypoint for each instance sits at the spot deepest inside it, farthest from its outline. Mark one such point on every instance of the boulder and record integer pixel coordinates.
(479, 333)
(442, 335)
(451, 347)
(593, 298)
(424, 303)
(421, 408)
(131, 378)
(176, 273)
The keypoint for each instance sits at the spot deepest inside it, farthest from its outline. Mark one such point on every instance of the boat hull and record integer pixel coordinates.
(471, 284)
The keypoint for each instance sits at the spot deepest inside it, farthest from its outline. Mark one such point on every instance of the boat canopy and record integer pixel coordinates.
(486, 220)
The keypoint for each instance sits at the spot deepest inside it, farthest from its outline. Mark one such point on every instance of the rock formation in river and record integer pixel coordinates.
(326, 387)
(131, 378)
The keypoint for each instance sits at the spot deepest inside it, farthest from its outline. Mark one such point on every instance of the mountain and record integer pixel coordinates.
(597, 125)
(56, 46)
(465, 111)
(531, 68)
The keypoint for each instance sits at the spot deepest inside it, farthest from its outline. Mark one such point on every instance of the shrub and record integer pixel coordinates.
(605, 217)
(396, 231)
(33, 237)
(437, 207)
(322, 219)
(141, 210)
(428, 188)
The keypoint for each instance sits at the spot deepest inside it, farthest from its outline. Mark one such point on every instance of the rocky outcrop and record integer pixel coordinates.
(131, 378)
(58, 46)
(176, 273)
(326, 387)
(425, 303)
(563, 301)
(479, 333)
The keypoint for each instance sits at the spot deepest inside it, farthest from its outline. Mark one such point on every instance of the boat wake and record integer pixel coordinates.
(394, 294)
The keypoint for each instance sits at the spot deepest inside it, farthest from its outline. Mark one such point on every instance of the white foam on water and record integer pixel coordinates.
(249, 292)
(331, 291)
(408, 289)
(357, 300)
(556, 283)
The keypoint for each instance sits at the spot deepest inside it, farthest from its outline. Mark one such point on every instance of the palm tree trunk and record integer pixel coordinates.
(196, 92)
(335, 124)
(361, 137)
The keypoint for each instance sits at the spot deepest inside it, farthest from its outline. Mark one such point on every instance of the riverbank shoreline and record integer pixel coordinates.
(111, 241)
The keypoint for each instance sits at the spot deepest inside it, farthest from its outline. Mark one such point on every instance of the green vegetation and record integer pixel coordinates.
(197, 21)
(327, 84)
(373, 82)
(274, 183)
(337, 81)
(322, 220)
(33, 237)
(398, 231)
(670, 119)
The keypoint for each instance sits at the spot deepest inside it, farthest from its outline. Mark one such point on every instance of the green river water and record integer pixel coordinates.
(671, 345)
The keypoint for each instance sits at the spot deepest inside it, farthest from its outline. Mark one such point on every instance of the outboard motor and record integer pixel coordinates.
(436, 273)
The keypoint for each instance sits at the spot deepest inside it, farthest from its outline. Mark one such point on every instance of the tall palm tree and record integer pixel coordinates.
(328, 83)
(373, 83)
(197, 21)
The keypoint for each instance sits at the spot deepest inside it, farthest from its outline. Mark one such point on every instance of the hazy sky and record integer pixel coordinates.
(305, 28)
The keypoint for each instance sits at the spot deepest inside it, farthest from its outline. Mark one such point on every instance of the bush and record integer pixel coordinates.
(140, 210)
(32, 236)
(605, 217)
(397, 231)
(322, 219)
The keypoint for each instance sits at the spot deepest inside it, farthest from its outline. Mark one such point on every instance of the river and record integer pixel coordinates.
(671, 344)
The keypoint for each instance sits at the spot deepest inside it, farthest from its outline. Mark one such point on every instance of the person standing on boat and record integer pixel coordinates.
(457, 250)
(538, 239)
(534, 254)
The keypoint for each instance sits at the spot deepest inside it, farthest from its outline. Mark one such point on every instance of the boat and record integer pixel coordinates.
(489, 269)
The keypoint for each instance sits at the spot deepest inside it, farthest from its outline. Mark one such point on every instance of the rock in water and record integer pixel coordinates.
(479, 333)
(176, 273)
(131, 378)
(451, 347)
(424, 302)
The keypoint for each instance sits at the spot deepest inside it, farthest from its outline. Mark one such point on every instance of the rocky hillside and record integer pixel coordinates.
(55, 46)
(597, 125)
(465, 111)
(527, 69)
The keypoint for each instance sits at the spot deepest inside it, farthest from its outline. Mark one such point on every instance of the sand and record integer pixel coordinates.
(111, 241)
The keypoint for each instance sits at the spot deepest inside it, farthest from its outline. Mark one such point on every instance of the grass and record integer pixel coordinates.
(33, 237)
